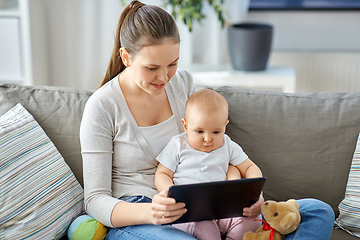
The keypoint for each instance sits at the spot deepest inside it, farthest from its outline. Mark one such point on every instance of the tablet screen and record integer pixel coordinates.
(216, 200)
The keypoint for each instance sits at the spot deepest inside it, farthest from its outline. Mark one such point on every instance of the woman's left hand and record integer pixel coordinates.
(165, 210)
(254, 210)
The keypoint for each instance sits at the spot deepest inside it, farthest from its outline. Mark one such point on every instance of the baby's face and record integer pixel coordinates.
(205, 132)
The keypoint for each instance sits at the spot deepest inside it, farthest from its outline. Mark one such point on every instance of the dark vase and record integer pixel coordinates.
(250, 45)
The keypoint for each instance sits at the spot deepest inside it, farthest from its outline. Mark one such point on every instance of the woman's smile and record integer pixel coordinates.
(158, 86)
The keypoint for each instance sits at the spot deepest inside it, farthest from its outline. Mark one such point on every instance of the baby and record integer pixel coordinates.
(204, 153)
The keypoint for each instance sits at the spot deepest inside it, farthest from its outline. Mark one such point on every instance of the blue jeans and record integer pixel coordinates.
(317, 221)
(146, 231)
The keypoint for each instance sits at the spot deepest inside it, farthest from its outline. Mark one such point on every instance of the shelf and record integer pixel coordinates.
(12, 81)
(273, 78)
(11, 63)
(9, 13)
(9, 8)
(21, 28)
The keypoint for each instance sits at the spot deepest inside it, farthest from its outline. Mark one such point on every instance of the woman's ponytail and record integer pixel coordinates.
(116, 65)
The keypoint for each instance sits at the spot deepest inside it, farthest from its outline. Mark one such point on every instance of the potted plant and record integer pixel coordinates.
(249, 43)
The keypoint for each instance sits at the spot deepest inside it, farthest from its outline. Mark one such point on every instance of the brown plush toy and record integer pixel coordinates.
(281, 218)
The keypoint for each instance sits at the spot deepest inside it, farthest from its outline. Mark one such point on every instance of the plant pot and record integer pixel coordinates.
(250, 45)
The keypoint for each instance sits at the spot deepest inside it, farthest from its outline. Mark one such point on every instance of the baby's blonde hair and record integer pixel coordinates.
(208, 101)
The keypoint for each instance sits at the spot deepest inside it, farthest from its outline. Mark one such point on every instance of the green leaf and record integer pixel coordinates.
(189, 11)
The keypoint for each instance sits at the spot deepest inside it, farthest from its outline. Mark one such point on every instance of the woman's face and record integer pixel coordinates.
(153, 66)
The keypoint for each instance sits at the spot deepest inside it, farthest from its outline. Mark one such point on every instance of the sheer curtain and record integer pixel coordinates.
(80, 36)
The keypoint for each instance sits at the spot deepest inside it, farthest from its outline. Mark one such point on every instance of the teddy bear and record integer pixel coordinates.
(281, 218)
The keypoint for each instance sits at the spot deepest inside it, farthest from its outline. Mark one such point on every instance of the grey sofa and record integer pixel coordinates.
(303, 143)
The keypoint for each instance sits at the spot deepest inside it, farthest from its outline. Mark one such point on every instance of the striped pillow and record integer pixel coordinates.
(39, 195)
(349, 208)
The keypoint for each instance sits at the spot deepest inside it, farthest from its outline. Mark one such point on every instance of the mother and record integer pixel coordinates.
(128, 121)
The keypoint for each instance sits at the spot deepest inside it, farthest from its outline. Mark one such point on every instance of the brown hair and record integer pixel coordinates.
(208, 100)
(139, 25)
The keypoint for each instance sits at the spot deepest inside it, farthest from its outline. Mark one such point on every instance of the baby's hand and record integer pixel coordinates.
(254, 210)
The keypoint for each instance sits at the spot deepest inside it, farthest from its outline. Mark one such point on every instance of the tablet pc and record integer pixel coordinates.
(216, 200)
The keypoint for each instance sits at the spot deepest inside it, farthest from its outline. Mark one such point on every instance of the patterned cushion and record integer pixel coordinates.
(39, 195)
(349, 208)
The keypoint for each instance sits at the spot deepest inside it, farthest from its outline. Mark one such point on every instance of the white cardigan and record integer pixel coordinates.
(117, 161)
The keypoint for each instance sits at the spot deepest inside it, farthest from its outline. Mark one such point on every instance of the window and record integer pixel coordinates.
(304, 4)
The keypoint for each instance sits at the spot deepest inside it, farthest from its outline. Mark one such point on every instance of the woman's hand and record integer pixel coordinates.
(165, 210)
(254, 210)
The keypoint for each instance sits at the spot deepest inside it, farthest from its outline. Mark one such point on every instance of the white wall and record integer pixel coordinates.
(312, 30)
(80, 35)
(322, 46)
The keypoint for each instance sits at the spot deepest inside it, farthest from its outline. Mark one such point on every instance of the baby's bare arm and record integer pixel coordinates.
(233, 173)
(249, 169)
(163, 178)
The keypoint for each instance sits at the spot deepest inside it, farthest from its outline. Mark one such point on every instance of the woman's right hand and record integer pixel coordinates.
(165, 210)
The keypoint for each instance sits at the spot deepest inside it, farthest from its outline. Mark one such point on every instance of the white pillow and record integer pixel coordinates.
(39, 195)
(349, 208)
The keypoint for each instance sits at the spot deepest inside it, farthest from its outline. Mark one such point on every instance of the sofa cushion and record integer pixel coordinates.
(303, 143)
(57, 110)
(39, 195)
(349, 208)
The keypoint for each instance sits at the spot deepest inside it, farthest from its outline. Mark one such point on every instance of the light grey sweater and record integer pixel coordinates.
(117, 161)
